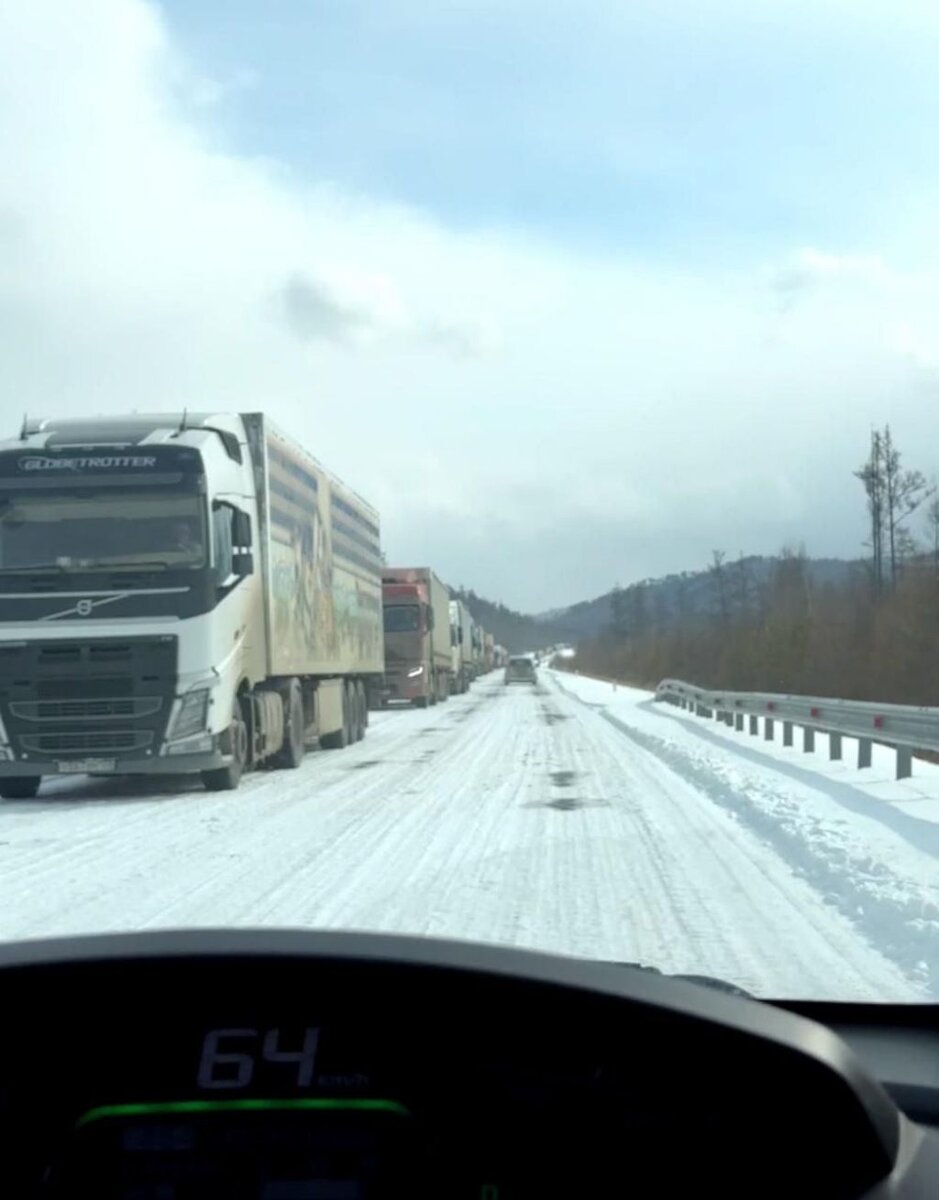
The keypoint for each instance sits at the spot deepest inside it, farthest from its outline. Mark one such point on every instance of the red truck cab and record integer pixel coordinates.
(417, 636)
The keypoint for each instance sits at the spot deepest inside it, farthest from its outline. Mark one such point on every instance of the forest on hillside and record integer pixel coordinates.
(515, 631)
(873, 635)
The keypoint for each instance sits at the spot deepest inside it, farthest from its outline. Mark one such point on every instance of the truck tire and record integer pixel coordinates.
(361, 710)
(20, 787)
(432, 697)
(290, 755)
(421, 701)
(226, 779)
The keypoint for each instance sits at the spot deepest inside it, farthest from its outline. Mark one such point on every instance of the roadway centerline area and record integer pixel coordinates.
(510, 814)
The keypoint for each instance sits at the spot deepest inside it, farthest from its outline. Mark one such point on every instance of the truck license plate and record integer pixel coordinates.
(86, 766)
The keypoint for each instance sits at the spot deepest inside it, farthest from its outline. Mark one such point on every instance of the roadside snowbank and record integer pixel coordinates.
(868, 843)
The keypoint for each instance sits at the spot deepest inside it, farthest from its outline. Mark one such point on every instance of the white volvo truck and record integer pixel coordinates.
(179, 593)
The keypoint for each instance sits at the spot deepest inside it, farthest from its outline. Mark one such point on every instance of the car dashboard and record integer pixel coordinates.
(279, 1065)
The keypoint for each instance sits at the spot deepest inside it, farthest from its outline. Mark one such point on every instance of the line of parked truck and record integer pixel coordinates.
(195, 593)
(433, 647)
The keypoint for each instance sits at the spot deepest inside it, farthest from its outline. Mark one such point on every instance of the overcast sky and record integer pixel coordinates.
(573, 292)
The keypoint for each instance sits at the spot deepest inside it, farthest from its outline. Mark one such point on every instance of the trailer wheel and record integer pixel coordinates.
(290, 755)
(20, 787)
(226, 779)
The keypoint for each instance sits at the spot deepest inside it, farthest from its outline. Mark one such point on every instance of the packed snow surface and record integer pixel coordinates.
(570, 816)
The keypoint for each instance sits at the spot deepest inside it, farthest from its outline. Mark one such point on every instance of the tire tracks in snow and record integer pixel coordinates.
(509, 814)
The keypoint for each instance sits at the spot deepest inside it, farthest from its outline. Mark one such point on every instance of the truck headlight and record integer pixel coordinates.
(192, 713)
(415, 671)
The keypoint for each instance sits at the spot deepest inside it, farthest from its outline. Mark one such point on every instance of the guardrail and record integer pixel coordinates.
(902, 727)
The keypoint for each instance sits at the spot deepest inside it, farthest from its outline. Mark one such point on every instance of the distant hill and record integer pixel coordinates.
(691, 593)
(514, 630)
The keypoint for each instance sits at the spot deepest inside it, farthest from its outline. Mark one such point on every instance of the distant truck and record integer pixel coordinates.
(180, 593)
(418, 653)
(461, 637)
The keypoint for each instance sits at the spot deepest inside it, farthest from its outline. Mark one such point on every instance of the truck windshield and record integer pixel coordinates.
(130, 527)
(402, 618)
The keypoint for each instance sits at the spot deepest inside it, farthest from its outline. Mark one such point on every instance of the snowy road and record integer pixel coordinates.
(513, 815)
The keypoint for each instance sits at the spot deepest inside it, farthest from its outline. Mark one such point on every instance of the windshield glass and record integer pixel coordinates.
(402, 618)
(111, 528)
(609, 329)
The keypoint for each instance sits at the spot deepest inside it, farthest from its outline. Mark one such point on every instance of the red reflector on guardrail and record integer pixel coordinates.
(770, 706)
(878, 722)
(815, 712)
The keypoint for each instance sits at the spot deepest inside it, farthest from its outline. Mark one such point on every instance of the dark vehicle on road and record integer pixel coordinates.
(520, 669)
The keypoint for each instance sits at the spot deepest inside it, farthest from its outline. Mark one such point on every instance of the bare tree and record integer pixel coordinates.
(871, 475)
(742, 586)
(904, 492)
(893, 495)
(719, 575)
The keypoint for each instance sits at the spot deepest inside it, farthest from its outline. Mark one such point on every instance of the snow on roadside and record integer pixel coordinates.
(867, 843)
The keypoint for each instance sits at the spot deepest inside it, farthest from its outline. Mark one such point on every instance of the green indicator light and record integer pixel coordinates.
(186, 1107)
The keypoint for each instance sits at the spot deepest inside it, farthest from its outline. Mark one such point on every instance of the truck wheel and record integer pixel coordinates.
(432, 698)
(421, 701)
(20, 787)
(290, 755)
(226, 779)
(366, 706)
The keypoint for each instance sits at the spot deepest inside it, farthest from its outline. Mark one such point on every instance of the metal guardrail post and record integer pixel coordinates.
(808, 739)
(738, 722)
(787, 733)
(904, 762)
(754, 725)
(768, 728)
(834, 745)
(864, 748)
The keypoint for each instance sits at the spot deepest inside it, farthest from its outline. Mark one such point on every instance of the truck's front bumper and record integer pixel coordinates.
(171, 764)
(405, 689)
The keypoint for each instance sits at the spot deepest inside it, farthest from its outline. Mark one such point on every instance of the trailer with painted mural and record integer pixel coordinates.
(181, 593)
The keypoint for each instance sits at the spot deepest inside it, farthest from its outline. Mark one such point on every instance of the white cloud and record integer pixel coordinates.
(468, 383)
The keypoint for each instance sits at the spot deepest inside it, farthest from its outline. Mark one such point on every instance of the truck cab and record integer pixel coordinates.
(418, 650)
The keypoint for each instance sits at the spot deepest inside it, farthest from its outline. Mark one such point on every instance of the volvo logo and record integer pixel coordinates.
(84, 607)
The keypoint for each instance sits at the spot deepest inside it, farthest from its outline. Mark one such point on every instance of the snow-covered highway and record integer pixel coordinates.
(546, 818)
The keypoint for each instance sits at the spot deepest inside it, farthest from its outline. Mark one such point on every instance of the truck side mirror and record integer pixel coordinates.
(241, 528)
(243, 564)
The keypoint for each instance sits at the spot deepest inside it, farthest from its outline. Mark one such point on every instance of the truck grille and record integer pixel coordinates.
(75, 698)
(87, 742)
(85, 710)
